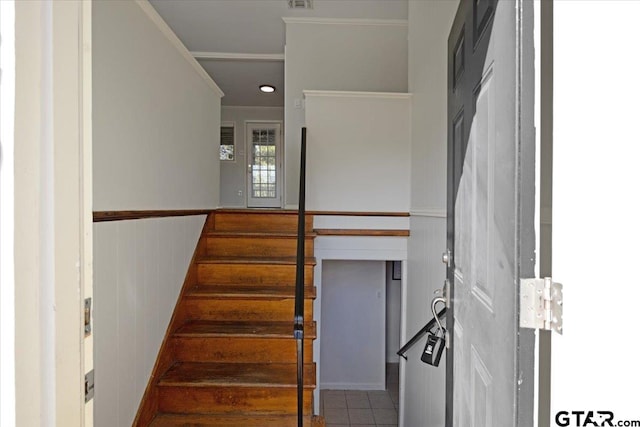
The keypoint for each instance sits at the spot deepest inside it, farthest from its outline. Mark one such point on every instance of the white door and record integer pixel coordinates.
(264, 165)
(490, 221)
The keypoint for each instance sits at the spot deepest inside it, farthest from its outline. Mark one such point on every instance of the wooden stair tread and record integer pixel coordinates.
(258, 234)
(242, 329)
(282, 375)
(247, 291)
(233, 420)
(228, 358)
(288, 260)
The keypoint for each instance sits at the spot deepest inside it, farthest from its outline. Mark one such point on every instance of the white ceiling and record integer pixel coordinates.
(254, 26)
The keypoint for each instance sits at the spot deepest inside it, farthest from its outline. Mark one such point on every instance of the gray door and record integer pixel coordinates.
(490, 219)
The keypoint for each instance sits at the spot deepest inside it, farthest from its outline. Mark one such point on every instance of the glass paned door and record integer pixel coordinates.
(264, 168)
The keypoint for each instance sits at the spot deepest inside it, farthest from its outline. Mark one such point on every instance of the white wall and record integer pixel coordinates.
(429, 24)
(393, 303)
(595, 178)
(352, 348)
(156, 118)
(233, 175)
(155, 146)
(358, 151)
(139, 266)
(337, 55)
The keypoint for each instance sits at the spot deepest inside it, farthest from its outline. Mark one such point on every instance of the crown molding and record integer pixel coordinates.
(347, 21)
(235, 56)
(148, 9)
(353, 94)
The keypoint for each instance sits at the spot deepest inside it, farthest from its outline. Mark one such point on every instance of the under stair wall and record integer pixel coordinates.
(139, 269)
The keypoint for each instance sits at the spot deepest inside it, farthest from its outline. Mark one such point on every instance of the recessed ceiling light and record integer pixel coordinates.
(300, 4)
(267, 88)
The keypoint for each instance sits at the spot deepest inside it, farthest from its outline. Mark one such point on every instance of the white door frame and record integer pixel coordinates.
(279, 160)
(53, 205)
(7, 279)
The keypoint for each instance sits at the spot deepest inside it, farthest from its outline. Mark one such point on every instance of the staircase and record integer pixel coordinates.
(229, 357)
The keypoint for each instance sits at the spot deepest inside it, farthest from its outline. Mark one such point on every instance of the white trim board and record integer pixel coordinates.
(235, 56)
(429, 213)
(347, 21)
(149, 10)
(362, 222)
(253, 107)
(354, 94)
(7, 212)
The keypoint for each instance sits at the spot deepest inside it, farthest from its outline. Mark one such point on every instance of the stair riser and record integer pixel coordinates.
(251, 274)
(240, 350)
(231, 399)
(243, 310)
(256, 246)
(260, 222)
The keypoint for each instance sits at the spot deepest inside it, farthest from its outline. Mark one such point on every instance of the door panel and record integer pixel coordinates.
(264, 165)
(489, 226)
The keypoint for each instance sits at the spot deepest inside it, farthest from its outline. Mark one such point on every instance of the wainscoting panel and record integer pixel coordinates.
(139, 269)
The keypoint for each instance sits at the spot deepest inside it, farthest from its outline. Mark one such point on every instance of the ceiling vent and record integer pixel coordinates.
(300, 4)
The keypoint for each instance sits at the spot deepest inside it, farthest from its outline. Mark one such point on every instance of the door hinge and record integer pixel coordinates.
(541, 304)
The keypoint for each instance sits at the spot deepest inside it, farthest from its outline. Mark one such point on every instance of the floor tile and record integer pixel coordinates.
(331, 393)
(380, 400)
(359, 408)
(334, 401)
(336, 416)
(355, 393)
(358, 401)
(385, 416)
(361, 416)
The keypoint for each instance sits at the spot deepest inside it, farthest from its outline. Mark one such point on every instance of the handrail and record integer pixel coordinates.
(298, 317)
(104, 216)
(427, 328)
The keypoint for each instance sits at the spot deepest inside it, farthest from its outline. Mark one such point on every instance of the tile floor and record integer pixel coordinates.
(359, 408)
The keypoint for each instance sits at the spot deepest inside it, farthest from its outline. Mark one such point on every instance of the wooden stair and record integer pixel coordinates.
(229, 357)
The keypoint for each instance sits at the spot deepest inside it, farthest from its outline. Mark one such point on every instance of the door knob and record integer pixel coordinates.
(446, 258)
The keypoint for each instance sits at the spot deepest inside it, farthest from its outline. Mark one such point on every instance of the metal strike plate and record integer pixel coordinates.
(87, 317)
(541, 304)
(88, 386)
